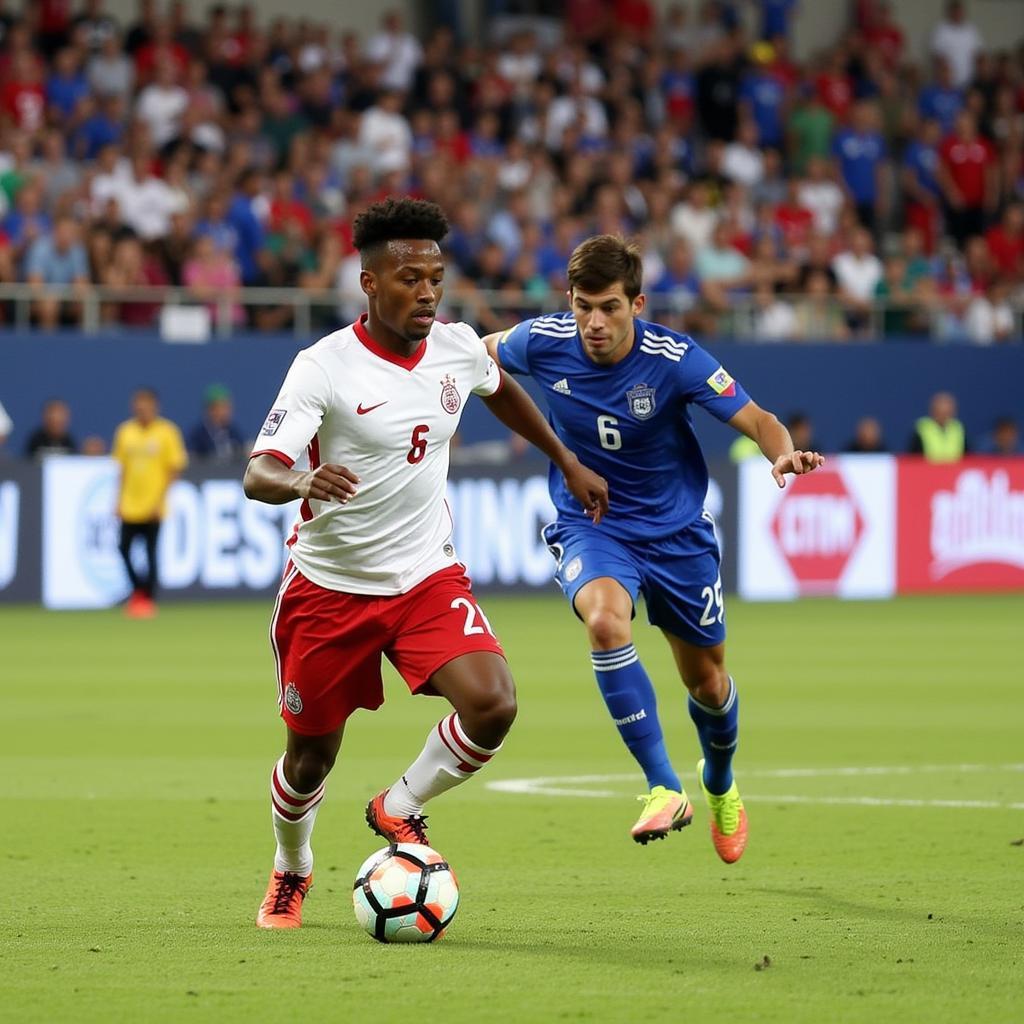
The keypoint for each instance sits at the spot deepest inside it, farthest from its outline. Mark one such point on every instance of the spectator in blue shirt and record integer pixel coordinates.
(1004, 438)
(250, 235)
(66, 86)
(467, 236)
(764, 96)
(58, 258)
(554, 254)
(99, 123)
(775, 17)
(941, 100)
(859, 152)
(920, 183)
(677, 289)
(217, 225)
(921, 158)
(216, 436)
(28, 220)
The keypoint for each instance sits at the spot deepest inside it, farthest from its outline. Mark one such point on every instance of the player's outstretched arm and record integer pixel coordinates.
(517, 410)
(491, 344)
(775, 443)
(268, 479)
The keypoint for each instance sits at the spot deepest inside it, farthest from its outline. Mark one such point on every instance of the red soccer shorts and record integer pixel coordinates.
(328, 644)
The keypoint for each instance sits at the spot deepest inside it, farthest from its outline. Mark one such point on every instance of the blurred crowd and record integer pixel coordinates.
(859, 193)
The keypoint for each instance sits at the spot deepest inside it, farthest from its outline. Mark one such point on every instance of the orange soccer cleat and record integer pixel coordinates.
(728, 820)
(282, 906)
(395, 830)
(139, 606)
(665, 810)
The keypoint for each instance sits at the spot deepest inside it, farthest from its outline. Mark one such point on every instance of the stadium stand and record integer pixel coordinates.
(150, 166)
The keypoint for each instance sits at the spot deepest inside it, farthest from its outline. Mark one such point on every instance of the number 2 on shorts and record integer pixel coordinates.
(472, 611)
(713, 597)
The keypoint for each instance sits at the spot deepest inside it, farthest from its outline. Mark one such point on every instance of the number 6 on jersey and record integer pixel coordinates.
(419, 444)
(611, 439)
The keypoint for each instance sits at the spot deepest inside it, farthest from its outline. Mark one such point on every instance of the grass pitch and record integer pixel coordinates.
(880, 757)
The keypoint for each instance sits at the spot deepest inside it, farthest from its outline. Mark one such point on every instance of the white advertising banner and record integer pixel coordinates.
(213, 537)
(81, 564)
(831, 532)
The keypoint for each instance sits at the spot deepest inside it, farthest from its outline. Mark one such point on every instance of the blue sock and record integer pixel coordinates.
(718, 729)
(629, 695)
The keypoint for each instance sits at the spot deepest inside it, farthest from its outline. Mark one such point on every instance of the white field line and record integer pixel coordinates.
(582, 785)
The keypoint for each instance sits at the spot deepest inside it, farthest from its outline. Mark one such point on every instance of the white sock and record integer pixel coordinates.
(448, 759)
(293, 814)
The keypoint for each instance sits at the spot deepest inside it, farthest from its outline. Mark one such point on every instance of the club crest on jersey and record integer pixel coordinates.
(273, 421)
(292, 700)
(450, 397)
(721, 383)
(641, 401)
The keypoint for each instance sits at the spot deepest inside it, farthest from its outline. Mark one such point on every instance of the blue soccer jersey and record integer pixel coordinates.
(630, 421)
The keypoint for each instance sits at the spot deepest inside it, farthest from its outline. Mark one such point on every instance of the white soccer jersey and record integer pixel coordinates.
(349, 401)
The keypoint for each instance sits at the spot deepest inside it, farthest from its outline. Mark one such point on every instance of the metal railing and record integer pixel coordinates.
(313, 311)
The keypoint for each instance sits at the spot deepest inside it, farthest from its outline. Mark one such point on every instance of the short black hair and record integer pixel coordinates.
(395, 219)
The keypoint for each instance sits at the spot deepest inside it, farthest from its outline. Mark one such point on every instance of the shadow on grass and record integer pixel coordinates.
(644, 953)
(915, 908)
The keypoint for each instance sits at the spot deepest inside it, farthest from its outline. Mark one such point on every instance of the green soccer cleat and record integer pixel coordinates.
(665, 810)
(728, 820)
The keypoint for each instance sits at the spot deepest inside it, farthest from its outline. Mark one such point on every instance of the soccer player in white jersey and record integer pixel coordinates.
(372, 569)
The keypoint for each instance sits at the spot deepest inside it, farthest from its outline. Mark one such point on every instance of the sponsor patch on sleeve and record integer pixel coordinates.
(721, 383)
(273, 421)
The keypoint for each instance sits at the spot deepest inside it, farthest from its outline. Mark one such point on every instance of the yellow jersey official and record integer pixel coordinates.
(151, 454)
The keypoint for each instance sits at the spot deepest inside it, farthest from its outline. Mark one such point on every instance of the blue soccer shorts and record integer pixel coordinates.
(678, 575)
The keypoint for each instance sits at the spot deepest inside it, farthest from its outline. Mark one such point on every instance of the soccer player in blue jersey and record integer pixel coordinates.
(619, 390)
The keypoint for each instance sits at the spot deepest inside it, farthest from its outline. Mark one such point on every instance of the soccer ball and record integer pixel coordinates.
(405, 893)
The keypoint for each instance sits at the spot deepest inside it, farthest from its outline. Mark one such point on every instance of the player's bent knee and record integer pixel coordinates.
(306, 769)
(608, 629)
(491, 710)
(500, 707)
(708, 682)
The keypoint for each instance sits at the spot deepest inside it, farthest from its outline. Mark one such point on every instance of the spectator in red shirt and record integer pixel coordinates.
(284, 207)
(969, 179)
(884, 36)
(796, 222)
(450, 140)
(53, 20)
(161, 46)
(17, 41)
(978, 265)
(635, 19)
(1006, 242)
(131, 267)
(782, 65)
(834, 86)
(22, 98)
(587, 20)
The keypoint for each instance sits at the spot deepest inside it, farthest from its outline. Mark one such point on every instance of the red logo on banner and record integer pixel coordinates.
(961, 526)
(818, 527)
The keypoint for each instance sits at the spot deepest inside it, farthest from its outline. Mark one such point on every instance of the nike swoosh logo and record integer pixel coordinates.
(360, 411)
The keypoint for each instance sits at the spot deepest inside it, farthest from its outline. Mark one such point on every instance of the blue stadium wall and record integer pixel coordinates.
(834, 384)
